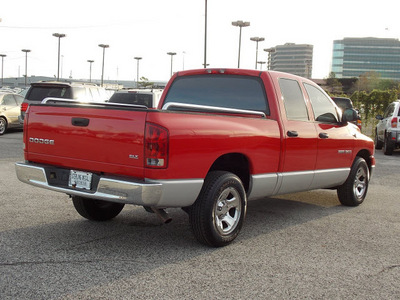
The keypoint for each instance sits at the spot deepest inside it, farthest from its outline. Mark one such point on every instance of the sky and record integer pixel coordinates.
(151, 28)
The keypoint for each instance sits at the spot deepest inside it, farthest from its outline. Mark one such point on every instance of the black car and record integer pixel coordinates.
(345, 103)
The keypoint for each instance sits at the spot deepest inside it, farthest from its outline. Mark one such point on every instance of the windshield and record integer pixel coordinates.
(132, 98)
(38, 93)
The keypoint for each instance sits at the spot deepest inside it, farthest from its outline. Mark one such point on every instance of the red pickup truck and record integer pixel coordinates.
(219, 138)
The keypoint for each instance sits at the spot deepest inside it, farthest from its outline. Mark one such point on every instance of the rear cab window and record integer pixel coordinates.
(229, 91)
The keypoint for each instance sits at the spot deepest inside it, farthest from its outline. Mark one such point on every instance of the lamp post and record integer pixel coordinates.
(59, 36)
(172, 55)
(137, 70)
(2, 68)
(256, 39)
(240, 24)
(102, 68)
(90, 69)
(205, 36)
(261, 63)
(26, 63)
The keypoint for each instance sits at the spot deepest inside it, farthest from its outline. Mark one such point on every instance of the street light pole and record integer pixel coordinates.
(90, 69)
(257, 39)
(2, 68)
(205, 37)
(172, 55)
(137, 70)
(59, 36)
(102, 68)
(240, 24)
(261, 63)
(26, 63)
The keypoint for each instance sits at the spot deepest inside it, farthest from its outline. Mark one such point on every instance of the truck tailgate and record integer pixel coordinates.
(97, 139)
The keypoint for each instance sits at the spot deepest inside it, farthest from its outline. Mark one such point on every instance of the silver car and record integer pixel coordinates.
(387, 133)
(10, 106)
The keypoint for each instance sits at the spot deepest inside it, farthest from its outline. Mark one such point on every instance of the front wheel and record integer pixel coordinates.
(218, 213)
(96, 210)
(378, 143)
(354, 190)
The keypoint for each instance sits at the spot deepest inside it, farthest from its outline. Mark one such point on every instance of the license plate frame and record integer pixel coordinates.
(80, 180)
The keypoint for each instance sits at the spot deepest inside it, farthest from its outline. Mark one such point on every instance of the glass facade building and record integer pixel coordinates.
(353, 57)
(291, 58)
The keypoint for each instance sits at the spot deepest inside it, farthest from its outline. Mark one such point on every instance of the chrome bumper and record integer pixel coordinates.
(166, 193)
(108, 189)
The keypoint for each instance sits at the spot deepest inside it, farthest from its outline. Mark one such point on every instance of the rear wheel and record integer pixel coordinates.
(3, 125)
(218, 213)
(96, 210)
(354, 190)
(388, 146)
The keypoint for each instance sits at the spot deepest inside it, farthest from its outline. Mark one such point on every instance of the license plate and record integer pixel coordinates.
(80, 180)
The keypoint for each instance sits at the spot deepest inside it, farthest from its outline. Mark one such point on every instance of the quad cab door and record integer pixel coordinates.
(300, 139)
(335, 140)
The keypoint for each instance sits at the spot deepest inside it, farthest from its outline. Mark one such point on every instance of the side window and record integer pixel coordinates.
(389, 111)
(19, 99)
(9, 100)
(293, 100)
(324, 110)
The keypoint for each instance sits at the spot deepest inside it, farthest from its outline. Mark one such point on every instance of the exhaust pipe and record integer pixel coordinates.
(162, 214)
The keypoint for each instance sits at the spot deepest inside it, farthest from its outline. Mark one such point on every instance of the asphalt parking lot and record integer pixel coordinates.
(297, 246)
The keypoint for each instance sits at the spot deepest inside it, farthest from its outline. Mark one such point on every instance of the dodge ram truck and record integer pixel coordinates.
(219, 138)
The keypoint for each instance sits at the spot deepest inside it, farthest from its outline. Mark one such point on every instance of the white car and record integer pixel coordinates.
(387, 133)
(147, 97)
(9, 111)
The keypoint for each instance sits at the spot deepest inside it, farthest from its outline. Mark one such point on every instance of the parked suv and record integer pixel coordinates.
(346, 103)
(85, 92)
(387, 132)
(146, 97)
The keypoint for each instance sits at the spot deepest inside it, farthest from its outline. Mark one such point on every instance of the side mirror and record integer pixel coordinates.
(349, 115)
(379, 117)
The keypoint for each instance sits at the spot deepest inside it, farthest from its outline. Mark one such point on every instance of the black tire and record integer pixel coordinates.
(354, 190)
(388, 146)
(219, 212)
(96, 210)
(378, 143)
(3, 125)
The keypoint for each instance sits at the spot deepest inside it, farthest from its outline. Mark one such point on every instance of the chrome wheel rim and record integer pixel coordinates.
(2, 125)
(360, 183)
(227, 211)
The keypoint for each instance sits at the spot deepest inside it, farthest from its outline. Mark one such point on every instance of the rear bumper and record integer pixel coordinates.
(167, 193)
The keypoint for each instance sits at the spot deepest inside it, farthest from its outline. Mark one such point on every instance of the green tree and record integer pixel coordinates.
(333, 86)
(145, 83)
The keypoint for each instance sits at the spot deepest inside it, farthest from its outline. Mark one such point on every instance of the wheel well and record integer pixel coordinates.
(367, 157)
(235, 163)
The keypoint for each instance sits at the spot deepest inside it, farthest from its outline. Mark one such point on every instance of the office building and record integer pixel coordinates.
(291, 58)
(353, 57)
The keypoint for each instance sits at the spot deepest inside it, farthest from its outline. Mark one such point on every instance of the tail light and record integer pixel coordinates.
(156, 146)
(359, 124)
(394, 122)
(24, 107)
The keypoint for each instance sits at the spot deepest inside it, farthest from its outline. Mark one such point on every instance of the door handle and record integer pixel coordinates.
(81, 122)
(292, 133)
(323, 135)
